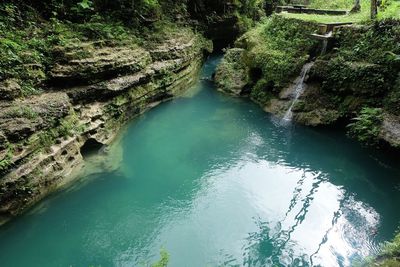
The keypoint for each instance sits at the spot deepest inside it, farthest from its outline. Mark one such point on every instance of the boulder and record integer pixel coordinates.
(390, 130)
(317, 117)
(10, 89)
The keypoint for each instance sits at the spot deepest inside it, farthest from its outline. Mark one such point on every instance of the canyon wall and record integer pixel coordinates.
(89, 98)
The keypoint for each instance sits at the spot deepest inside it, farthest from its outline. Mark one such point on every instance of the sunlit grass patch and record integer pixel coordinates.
(391, 11)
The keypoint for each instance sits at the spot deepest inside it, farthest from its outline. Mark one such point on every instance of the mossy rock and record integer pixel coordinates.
(317, 117)
(357, 78)
(10, 89)
(232, 74)
(392, 100)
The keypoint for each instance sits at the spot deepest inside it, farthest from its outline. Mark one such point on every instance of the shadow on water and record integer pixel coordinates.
(216, 181)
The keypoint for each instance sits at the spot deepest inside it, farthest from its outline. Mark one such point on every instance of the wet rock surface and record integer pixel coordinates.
(390, 130)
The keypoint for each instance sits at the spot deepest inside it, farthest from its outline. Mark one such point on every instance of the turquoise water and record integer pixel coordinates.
(215, 181)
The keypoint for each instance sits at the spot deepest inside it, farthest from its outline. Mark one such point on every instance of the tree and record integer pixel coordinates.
(374, 8)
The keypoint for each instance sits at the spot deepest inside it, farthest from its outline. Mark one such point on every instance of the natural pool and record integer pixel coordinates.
(215, 181)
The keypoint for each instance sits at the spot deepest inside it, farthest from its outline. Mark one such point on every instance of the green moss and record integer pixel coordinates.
(29, 46)
(260, 92)
(391, 10)
(337, 4)
(232, 73)
(279, 48)
(374, 43)
(6, 162)
(359, 78)
(362, 69)
(393, 99)
(389, 256)
(64, 128)
(23, 112)
(163, 262)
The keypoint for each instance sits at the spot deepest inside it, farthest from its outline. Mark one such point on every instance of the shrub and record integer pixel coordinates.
(366, 126)
(393, 99)
(279, 47)
(163, 262)
(6, 162)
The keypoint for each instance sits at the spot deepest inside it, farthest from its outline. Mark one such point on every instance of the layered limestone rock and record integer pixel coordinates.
(98, 62)
(42, 136)
(390, 130)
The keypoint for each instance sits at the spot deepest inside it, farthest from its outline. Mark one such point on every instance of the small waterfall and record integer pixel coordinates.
(324, 46)
(325, 41)
(298, 90)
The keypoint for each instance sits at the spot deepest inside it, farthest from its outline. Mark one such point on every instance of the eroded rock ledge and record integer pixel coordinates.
(88, 99)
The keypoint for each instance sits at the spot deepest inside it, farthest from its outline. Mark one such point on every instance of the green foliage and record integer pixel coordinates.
(377, 43)
(392, 249)
(359, 78)
(362, 69)
(85, 4)
(337, 4)
(6, 162)
(21, 58)
(393, 98)
(232, 73)
(82, 9)
(163, 262)
(366, 126)
(23, 112)
(260, 92)
(248, 11)
(388, 9)
(29, 47)
(64, 128)
(279, 47)
(388, 257)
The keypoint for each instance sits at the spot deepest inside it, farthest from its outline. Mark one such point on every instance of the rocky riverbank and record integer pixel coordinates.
(71, 74)
(44, 136)
(355, 84)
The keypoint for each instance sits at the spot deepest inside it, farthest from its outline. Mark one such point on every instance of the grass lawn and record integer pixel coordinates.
(392, 11)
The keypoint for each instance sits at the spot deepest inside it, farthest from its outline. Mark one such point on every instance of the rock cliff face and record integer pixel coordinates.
(89, 97)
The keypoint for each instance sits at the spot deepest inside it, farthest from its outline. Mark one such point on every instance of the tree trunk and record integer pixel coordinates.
(357, 7)
(374, 8)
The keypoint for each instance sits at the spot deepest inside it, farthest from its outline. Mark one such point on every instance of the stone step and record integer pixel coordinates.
(330, 27)
(306, 10)
(321, 37)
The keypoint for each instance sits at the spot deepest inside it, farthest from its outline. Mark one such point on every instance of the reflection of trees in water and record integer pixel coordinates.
(335, 218)
(271, 245)
(283, 237)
